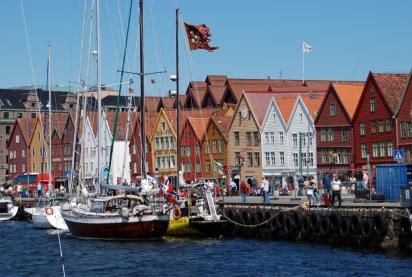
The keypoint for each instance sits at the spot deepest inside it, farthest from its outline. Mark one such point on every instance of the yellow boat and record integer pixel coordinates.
(180, 227)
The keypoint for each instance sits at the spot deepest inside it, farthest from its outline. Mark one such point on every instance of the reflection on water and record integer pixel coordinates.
(32, 252)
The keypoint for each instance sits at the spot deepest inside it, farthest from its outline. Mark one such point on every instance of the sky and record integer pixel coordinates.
(257, 39)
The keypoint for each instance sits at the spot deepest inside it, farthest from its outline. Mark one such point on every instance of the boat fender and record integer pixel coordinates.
(49, 211)
(367, 228)
(252, 218)
(281, 220)
(245, 217)
(287, 224)
(334, 220)
(305, 225)
(355, 224)
(314, 222)
(344, 226)
(404, 227)
(296, 220)
(177, 213)
(274, 224)
(324, 226)
(380, 225)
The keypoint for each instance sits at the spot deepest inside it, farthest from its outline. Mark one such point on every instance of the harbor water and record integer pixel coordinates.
(29, 252)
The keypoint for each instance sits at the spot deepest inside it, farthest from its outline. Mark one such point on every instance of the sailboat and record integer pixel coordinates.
(131, 214)
(202, 218)
(7, 209)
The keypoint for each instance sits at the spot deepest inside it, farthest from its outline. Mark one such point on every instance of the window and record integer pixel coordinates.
(273, 158)
(272, 137)
(237, 138)
(404, 129)
(237, 158)
(249, 138)
(23, 168)
(311, 159)
(207, 165)
(5, 115)
(302, 139)
(381, 126)
(373, 126)
(33, 166)
(282, 158)
(362, 130)
(332, 110)
(303, 159)
(134, 149)
(7, 130)
(207, 150)
(11, 154)
(390, 149)
(249, 159)
(330, 134)
(257, 159)
(375, 150)
(267, 158)
(323, 134)
(163, 126)
(197, 167)
(33, 153)
(23, 153)
(372, 103)
(214, 146)
(345, 134)
(197, 150)
(295, 159)
(388, 125)
(310, 138)
(295, 140)
(281, 138)
(266, 137)
(364, 150)
(256, 138)
(382, 149)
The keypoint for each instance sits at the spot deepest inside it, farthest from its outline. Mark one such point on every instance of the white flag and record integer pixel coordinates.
(306, 47)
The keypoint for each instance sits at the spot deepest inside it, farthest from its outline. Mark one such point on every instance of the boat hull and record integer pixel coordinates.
(212, 228)
(56, 220)
(10, 215)
(40, 221)
(117, 227)
(181, 227)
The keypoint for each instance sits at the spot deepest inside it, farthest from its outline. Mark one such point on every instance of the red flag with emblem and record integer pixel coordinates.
(199, 37)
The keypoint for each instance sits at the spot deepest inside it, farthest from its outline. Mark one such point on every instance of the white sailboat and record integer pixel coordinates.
(7, 209)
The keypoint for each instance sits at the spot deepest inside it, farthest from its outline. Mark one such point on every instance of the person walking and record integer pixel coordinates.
(243, 191)
(39, 190)
(365, 180)
(336, 187)
(309, 190)
(266, 190)
(327, 183)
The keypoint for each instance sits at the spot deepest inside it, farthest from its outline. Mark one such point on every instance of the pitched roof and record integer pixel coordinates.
(168, 102)
(313, 104)
(223, 122)
(217, 92)
(258, 103)
(152, 103)
(286, 105)
(349, 95)
(12, 98)
(27, 127)
(198, 125)
(121, 126)
(392, 86)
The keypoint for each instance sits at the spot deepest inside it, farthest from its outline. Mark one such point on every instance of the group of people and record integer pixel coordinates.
(246, 188)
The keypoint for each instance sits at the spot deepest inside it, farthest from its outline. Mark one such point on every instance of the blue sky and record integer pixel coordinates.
(257, 39)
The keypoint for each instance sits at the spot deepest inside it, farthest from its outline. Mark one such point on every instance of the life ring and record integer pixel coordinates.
(334, 220)
(177, 213)
(49, 211)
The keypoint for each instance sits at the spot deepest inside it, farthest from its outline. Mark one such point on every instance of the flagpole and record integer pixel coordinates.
(303, 63)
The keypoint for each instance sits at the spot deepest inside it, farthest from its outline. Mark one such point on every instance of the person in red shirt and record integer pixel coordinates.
(243, 191)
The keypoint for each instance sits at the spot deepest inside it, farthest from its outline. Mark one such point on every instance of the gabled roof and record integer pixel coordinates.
(216, 79)
(312, 104)
(349, 95)
(391, 86)
(121, 126)
(198, 126)
(167, 103)
(26, 125)
(152, 103)
(408, 87)
(258, 103)
(285, 105)
(217, 93)
(12, 98)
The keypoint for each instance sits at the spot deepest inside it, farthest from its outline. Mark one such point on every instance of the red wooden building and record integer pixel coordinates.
(18, 147)
(373, 124)
(403, 118)
(334, 134)
(190, 147)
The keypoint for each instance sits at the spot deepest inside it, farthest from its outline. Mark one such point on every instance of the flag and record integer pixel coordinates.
(218, 167)
(306, 47)
(198, 37)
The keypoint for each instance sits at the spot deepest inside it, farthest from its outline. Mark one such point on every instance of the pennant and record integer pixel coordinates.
(218, 167)
(198, 37)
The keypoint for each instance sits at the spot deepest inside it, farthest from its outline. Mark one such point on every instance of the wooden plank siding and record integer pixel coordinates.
(403, 120)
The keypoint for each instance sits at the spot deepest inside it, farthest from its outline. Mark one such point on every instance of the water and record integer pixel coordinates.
(29, 252)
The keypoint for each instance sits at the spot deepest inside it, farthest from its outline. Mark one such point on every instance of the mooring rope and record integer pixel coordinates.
(259, 224)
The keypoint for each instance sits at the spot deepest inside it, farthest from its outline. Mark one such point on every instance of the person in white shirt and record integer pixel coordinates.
(266, 190)
(365, 180)
(336, 187)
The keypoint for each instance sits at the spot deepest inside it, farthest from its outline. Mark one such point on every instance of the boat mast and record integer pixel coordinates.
(50, 126)
(99, 100)
(142, 106)
(177, 103)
